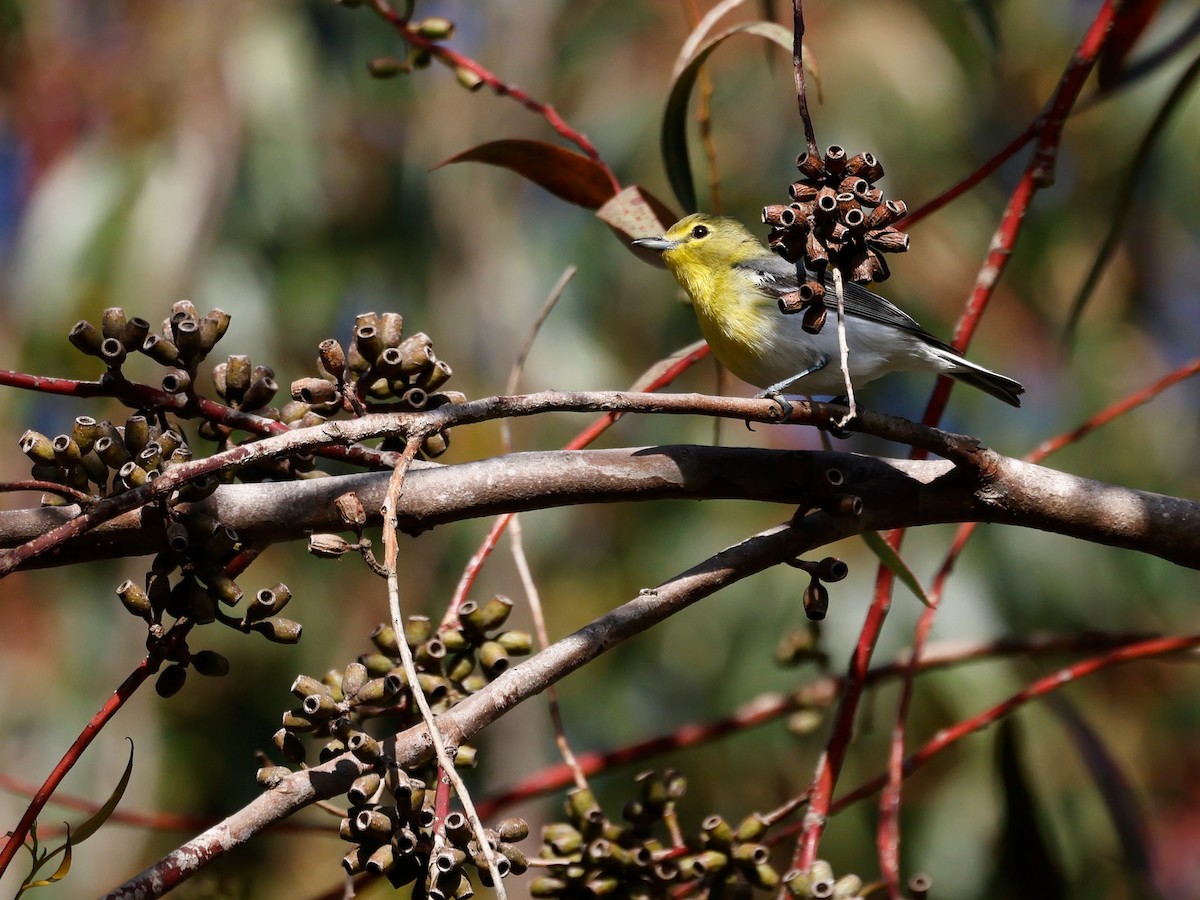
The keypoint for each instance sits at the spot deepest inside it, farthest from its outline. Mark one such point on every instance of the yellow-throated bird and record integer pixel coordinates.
(735, 284)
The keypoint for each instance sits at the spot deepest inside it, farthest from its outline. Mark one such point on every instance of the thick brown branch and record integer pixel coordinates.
(894, 494)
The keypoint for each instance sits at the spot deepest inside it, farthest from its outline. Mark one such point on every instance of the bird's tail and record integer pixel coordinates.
(999, 386)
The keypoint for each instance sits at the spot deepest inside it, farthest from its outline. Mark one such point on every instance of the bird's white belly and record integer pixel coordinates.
(782, 348)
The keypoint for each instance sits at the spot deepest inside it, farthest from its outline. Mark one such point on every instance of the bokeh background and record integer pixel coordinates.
(238, 154)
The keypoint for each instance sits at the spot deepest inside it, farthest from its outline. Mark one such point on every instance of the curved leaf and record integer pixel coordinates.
(674, 130)
(895, 563)
(636, 213)
(566, 174)
(93, 823)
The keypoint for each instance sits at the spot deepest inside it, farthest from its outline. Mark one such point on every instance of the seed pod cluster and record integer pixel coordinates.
(391, 819)
(451, 663)
(589, 855)
(101, 458)
(837, 217)
(186, 338)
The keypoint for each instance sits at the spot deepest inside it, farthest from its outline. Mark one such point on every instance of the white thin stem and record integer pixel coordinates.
(844, 347)
(444, 758)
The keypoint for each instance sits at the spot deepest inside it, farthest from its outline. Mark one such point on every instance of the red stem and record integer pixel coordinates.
(458, 61)
(135, 680)
(1039, 173)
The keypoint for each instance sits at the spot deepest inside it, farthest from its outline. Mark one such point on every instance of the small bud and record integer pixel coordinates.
(417, 630)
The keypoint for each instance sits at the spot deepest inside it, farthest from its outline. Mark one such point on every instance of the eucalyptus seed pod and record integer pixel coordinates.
(562, 838)
(350, 510)
(493, 658)
(458, 829)
(112, 322)
(289, 745)
(295, 720)
(38, 447)
(816, 600)
(176, 381)
(417, 630)
(368, 341)
(436, 444)
(113, 453)
(213, 327)
(847, 887)
(160, 349)
(186, 331)
(278, 631)
(382, 859)
(353, 678)
(306, 686)
(716, 833)
(85, 337)
(583, 809)
(517, 643)
(512, 829)
(332, 358)
(364, 747)
(517, 861)
(315, 391)
(236, 377)
(135, 600)
(363, 789)
(261, 391)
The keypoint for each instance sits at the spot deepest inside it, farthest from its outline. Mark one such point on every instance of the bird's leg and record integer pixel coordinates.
(775, 391)
(779, 386)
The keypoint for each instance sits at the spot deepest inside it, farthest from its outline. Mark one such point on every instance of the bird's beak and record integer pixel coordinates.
(657, 244)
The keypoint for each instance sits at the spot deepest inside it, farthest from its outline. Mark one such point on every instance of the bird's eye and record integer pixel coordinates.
(700, 231)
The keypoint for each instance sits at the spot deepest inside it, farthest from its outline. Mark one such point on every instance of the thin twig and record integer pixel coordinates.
(810, 136)
(843, 348)
(444, 757)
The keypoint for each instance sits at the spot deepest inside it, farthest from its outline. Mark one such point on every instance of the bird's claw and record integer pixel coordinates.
(785, 408)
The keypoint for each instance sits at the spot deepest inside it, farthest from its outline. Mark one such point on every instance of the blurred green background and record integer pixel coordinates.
(238, 154)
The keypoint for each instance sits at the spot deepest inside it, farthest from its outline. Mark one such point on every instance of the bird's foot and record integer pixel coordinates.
(785, 408)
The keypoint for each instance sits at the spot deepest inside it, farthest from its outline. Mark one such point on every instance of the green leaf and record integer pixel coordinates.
(566, 174)
(674, 130)
(92, 825)
(895, 564)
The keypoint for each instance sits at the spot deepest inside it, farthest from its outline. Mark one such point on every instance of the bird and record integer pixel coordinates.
(735, 283)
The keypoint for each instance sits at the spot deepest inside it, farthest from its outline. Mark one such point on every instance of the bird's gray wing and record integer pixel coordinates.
(776, 277)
